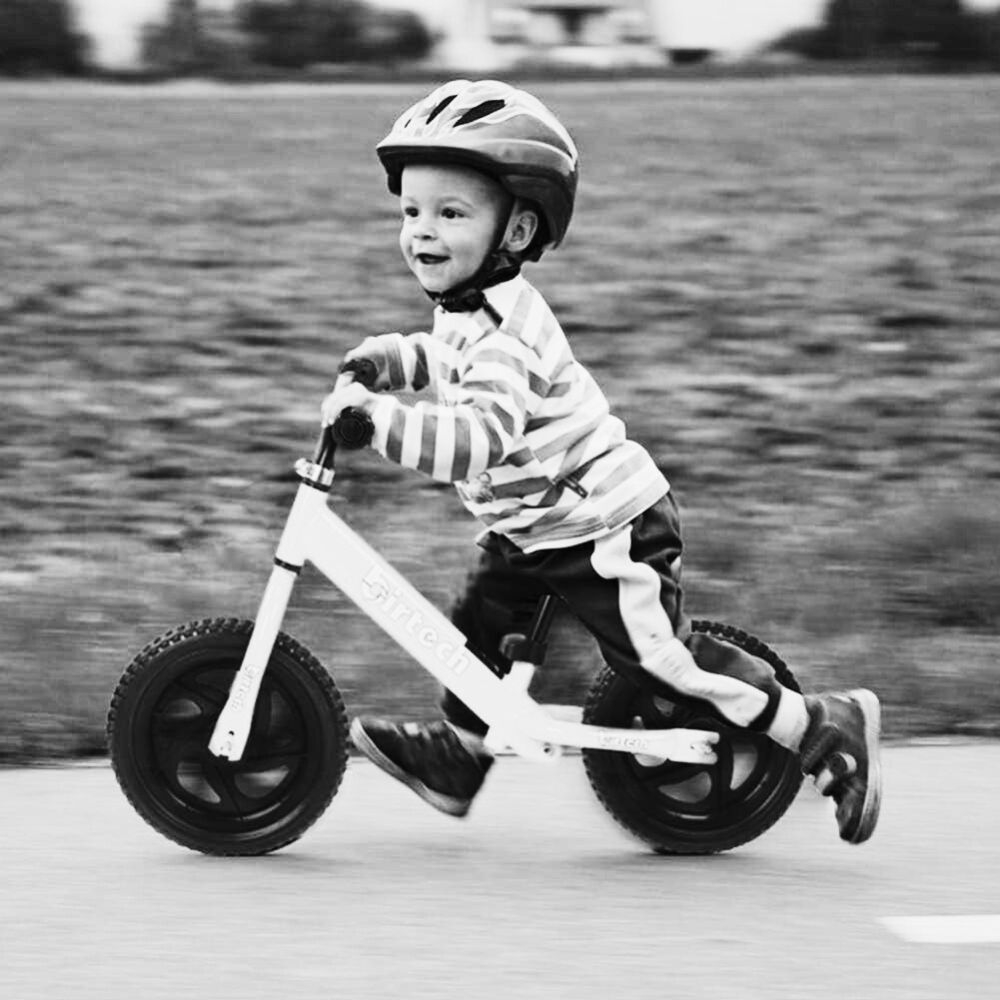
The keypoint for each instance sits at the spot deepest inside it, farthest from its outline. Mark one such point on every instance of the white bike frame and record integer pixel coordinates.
(516, 721)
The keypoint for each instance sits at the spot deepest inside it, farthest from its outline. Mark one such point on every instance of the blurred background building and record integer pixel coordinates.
(502, 33)
(261, 38)
(493, 34)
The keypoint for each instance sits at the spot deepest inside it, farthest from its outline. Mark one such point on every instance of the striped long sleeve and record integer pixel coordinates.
(514, 421)
(401, 362)
(487, 399)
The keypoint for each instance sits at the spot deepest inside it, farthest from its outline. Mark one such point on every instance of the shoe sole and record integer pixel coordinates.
(447, 804)
(871, 710)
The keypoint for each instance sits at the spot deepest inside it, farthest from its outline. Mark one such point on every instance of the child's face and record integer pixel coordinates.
(450, 219)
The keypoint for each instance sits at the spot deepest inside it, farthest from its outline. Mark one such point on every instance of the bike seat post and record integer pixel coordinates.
(526, 652)
(531, 648)
(541, 622)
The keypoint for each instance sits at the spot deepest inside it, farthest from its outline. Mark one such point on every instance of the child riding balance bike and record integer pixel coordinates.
(572, 509)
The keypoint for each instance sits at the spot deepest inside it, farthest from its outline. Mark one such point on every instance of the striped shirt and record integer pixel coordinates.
(514, 421)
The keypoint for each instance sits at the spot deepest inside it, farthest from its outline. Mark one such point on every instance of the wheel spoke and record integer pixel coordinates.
(181, 742)
(722, 776)
(207, 696)
(176, 739)
(277, 730)
(262, 711)
(220, 778)
(181, 764)
(182, 730)
(670, 772)
(648, 712)
(270, 761)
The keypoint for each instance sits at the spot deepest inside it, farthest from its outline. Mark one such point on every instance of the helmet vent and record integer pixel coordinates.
(480, 111)
(504, 133)
(440, 108)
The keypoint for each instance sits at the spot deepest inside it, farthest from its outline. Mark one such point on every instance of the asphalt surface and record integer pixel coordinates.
(538, 894)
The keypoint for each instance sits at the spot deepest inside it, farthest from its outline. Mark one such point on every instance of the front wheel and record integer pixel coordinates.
(161, 718)
(680, 808)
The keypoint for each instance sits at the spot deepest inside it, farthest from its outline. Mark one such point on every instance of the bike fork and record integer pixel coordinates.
(232, 729)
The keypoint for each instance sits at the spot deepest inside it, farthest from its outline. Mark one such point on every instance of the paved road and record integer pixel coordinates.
(536, 895)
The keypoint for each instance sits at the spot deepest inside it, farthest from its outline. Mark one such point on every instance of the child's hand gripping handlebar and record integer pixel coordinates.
(353, 428)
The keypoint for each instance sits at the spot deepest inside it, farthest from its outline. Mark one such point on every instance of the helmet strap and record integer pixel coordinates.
(497, 267)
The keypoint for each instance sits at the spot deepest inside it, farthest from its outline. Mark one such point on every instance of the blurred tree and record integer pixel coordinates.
(928, 25)
(39, 36)
(293, 34)
(299, 33)
(977, 39)
(852, 27)
(860, 29)
(989, 33)
(395, 34)
(190, 40)
(174, 43)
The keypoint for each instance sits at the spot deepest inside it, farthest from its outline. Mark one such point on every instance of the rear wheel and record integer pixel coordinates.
(162, 716)
(680, 808)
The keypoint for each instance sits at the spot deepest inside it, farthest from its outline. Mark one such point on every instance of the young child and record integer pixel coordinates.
(486, 178)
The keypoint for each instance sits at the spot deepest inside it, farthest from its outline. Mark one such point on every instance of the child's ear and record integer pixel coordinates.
(521, 229)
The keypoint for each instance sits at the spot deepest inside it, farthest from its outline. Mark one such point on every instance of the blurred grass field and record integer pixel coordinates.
(788, 288)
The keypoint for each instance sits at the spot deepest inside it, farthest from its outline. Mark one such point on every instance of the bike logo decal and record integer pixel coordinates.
(377, 589)
(632, 744)
(245, 680)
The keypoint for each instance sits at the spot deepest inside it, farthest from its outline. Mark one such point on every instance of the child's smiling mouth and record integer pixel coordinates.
(431, 258)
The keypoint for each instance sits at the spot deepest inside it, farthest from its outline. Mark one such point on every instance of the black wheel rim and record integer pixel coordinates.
(197, 793)
(697, 800)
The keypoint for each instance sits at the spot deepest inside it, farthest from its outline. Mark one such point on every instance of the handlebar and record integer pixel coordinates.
(353, 428)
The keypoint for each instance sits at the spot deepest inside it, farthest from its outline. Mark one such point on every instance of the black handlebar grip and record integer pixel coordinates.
(363, 369)
(353, 429)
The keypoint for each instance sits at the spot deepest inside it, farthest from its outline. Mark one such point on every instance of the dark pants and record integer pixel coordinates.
(626, 591)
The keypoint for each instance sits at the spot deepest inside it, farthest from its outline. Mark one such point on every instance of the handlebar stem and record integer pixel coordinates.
(315, 474)
(352, 429)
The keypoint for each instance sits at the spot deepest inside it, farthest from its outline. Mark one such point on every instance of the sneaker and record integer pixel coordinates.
(841, 751)
(431, 759)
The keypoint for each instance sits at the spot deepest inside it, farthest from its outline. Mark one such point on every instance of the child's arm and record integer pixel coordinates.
(458, 440)
(401, 362)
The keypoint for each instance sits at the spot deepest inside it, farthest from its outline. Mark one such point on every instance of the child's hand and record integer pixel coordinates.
(371, 350)
(345, 393)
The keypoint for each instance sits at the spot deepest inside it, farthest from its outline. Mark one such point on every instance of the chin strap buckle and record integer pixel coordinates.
(499, 266)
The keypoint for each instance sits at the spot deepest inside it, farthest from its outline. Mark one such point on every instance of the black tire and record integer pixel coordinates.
(680, 808)
(163, 713)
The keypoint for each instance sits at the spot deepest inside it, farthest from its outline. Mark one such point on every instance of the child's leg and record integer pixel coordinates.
(497, 601)
(430, 758)
(783, 714)
(445, 763)
(626, 589)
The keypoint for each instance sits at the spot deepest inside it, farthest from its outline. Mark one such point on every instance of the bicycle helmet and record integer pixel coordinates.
(502, 131)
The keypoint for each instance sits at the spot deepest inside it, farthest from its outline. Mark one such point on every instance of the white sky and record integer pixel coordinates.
(725, 24)
(742, 24)
(730, 24)
(113, 25)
